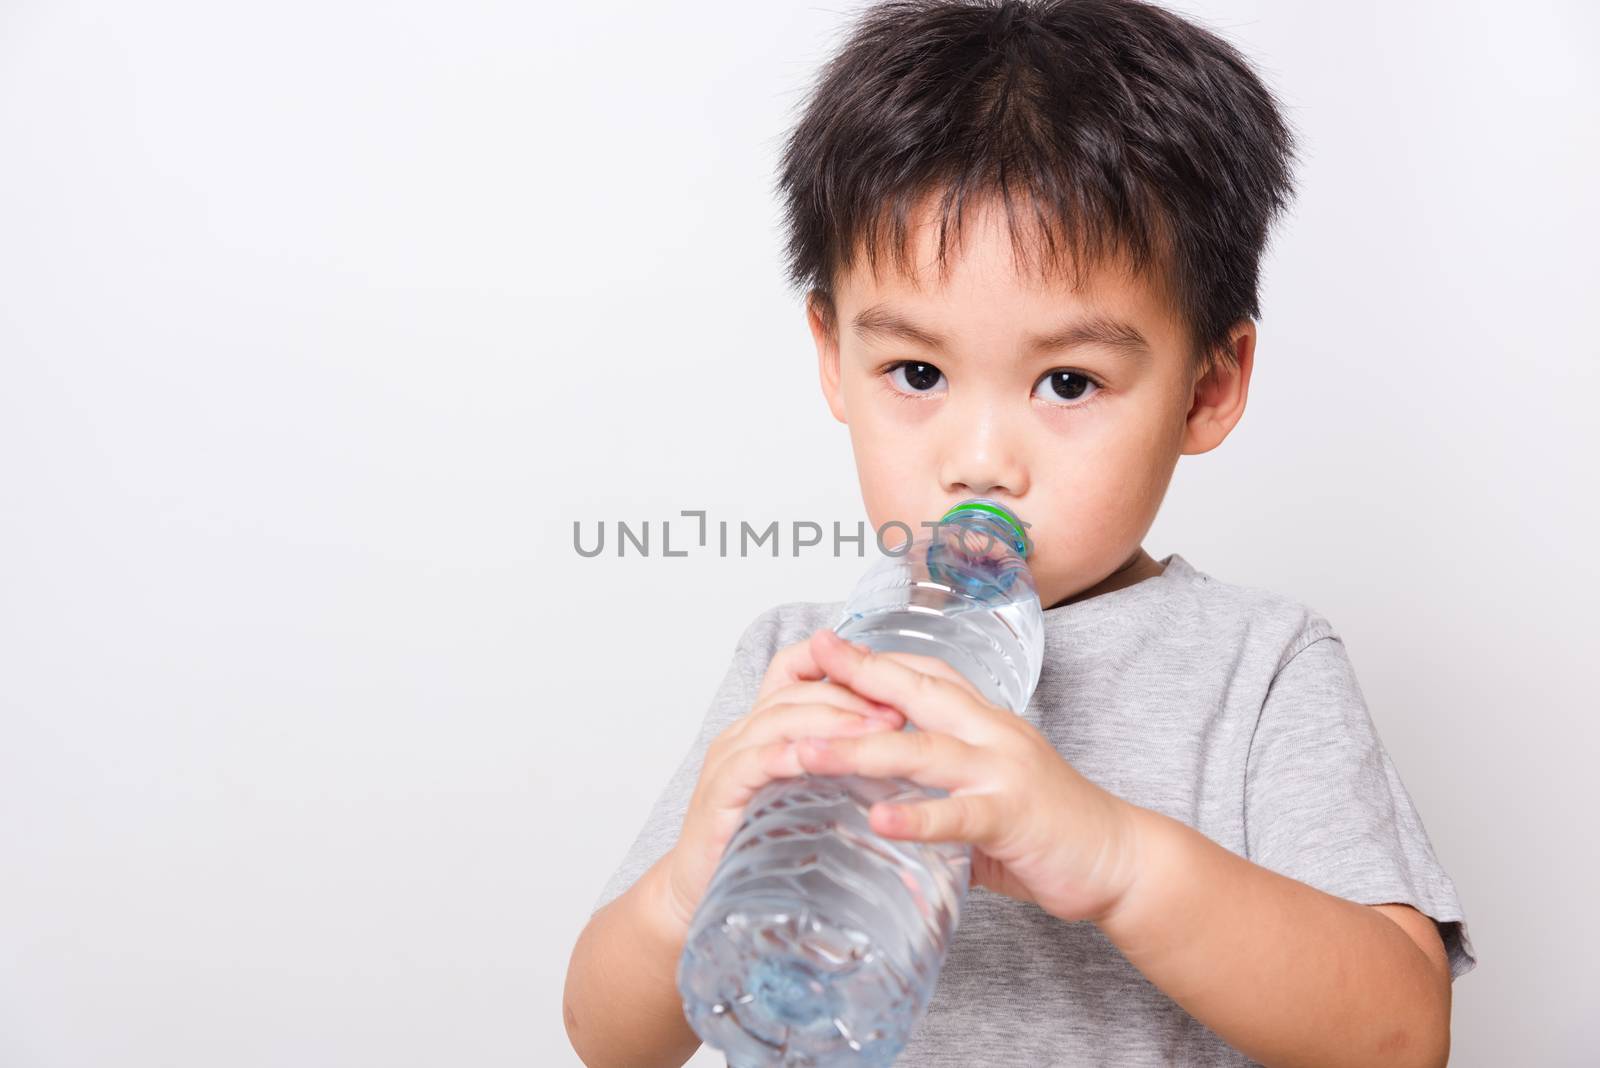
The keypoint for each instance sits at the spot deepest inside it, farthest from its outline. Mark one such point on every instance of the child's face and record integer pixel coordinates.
(1084, 458)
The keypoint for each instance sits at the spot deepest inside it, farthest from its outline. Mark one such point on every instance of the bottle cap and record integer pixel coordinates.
(1019, 535)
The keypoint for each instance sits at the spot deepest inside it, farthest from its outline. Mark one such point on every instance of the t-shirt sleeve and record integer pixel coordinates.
(1325, 805)
(735, 696)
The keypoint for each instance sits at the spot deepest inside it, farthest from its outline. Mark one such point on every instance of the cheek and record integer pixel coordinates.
(1110, 482)
(887, 495)
(1126, 445)
(881, 449)
(884, 432)
(886, 470)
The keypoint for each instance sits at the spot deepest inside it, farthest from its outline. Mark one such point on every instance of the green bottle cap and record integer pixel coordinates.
(982, 504)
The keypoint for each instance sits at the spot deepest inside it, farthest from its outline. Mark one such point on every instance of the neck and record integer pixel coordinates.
(1138, 567)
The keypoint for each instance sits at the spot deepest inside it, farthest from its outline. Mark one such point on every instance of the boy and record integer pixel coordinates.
(1030, 235)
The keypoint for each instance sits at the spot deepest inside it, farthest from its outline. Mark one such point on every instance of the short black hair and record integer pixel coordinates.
(1130, 131)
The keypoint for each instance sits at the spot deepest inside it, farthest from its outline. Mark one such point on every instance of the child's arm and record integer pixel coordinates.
(1288, 973)
(621, 1004)
(1284, 972)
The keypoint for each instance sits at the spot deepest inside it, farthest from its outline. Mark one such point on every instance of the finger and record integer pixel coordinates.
(958, 818)
(827, 692)
(736, 779)
(932, 703)
(922, 756)
(791, 722)
(792, 663)
(932, 665)
(806, 694)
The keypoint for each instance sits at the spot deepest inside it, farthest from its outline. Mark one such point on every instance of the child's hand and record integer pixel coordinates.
(1041, 832)
(793, 702)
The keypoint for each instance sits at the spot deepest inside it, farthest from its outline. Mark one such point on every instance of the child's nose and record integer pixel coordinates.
(982, 458)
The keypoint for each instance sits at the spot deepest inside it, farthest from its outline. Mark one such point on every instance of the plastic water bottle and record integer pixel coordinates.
(819, 941)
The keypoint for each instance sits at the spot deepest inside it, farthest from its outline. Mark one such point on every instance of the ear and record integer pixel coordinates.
(1218, 397)
(827, 358)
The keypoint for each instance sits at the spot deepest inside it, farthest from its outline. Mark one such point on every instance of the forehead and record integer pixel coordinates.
(999, 269)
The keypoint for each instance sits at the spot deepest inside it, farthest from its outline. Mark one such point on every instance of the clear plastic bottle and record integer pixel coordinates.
(819, 941)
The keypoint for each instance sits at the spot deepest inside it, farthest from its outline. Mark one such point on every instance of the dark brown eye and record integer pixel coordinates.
(918, 377)
(1064, 386)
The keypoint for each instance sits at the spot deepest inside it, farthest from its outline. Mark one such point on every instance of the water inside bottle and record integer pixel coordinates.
(819, 941)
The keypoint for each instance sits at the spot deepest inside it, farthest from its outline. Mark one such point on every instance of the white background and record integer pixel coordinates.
(323, 322)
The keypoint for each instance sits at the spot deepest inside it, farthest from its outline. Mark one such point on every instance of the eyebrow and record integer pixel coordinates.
(1122, 338)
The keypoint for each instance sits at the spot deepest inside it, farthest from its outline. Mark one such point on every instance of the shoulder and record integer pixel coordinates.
(784, 624)
(1273, 623)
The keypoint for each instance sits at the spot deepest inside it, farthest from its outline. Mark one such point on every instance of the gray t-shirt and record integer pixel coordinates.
(1232, 709)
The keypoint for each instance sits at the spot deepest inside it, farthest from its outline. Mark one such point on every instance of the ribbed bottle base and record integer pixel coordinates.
(819, 941)
(793, 987)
